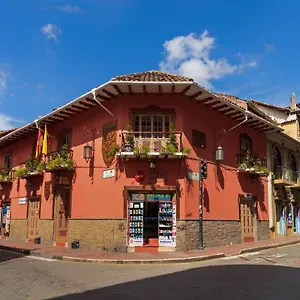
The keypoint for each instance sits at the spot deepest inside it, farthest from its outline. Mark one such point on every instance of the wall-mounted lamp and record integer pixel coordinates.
(87, 152)
(219, 154)
(152, 164)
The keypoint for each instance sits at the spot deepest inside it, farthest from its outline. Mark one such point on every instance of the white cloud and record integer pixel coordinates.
(51, 31)
(41, 88)
(269, 47)
(3, 80)
(190, 56)
(70, 9)
(7, 122)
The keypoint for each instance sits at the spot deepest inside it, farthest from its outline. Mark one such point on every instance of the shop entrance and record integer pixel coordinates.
(296, 218)
(281, 219)
(61, 217)
(151, 220)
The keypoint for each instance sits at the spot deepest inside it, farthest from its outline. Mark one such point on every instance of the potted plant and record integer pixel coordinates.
(4, 175)
(114, 149)
(21, 172)
(60, 160)
(129, 140)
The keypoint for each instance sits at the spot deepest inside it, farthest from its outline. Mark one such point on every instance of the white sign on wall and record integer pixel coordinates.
(109, 173)
(22, 201)
(193, 176)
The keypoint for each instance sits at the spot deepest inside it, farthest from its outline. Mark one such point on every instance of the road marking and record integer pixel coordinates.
(41, 258)
(268, 260)
(239, 255)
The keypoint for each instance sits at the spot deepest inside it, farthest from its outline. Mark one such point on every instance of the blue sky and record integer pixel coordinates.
(53, 51)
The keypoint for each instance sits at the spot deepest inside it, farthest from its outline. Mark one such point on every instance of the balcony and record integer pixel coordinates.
(252, 164)
(33, 168)
(152, 145)
(286, 177)
(61, 160)
(5, 175)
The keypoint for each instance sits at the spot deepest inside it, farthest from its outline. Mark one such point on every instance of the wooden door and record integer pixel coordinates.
(248, 219)
(62, 204)
(33, 219)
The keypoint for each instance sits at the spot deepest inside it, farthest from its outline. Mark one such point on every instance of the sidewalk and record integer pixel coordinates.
(96, 256)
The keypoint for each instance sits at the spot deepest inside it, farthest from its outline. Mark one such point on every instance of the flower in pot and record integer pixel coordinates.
(129, 140)
(4, 174)
(21, 172)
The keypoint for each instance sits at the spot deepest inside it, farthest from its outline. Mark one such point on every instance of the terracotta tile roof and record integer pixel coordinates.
(153, 76)
(247, 105)
(233, 99)
(284, 109)
(5, 132)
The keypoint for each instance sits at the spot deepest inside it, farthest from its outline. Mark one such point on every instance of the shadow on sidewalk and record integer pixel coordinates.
(213, 282)
(6, 255)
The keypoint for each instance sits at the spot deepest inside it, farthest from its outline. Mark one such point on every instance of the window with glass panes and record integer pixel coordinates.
(157, 126)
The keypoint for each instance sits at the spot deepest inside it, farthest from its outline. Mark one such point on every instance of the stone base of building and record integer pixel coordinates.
(46, 230)
(102, 234)
(263, 230)
(18, 229)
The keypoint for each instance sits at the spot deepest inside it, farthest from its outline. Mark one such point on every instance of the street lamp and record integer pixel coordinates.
(87, 152)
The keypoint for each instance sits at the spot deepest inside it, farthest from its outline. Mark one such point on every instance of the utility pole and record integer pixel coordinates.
(202, 174)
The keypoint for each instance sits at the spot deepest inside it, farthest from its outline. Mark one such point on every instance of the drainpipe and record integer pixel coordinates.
(93, 91)
(245, 120)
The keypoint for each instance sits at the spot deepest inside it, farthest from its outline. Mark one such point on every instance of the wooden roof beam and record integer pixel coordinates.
(108, 93)
(195, 95)
(85, 104)
(117, 89)
(185, 90)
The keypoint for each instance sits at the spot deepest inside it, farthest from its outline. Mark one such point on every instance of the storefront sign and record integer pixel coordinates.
(22, 201)
(174, 228)
(158, 197)
(109, 173)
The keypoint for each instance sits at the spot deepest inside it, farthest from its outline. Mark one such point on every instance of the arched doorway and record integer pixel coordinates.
(293, 168)
(277, 165)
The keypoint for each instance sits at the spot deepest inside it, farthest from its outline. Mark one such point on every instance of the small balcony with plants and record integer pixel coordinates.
(167, 145)
(61, 160)
(5, 175)
(286, 177)
(252, 164)
(33, 168)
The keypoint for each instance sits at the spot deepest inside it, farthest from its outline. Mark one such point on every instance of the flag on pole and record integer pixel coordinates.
(45, 142)
(38, 143)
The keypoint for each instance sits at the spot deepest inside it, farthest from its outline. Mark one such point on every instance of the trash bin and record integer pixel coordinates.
(75, 244)
(37, 240)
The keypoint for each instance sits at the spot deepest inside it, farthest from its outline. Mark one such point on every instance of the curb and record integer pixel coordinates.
(15, 249)
(132, 261)
(272, 246)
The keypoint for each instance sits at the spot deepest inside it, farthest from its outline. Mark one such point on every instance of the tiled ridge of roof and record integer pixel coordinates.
(233, 99)
(152, 76)
(284, 109)
(245, 104)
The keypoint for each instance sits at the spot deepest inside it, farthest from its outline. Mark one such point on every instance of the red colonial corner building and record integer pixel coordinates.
(119, 169)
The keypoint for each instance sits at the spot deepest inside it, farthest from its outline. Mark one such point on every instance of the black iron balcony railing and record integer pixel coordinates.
(59, 160)
(252, 163)
(287, 174)
(162, 142)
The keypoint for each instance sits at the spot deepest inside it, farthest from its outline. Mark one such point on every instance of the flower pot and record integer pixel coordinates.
(128, 147)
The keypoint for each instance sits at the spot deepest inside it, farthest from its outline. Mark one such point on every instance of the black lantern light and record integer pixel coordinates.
(87, 152)
(152, 164)
(219, 154)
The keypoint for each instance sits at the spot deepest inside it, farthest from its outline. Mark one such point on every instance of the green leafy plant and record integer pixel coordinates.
(142, 150)
(21, 172)
(4, 174)
(114, 149)
(186, 151)
(129, 139)
(60, 160)
(34, 165)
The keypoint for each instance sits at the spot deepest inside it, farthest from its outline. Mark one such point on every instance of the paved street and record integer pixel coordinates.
(272, 274)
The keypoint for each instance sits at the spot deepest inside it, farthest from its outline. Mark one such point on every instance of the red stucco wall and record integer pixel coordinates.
(103, 198)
